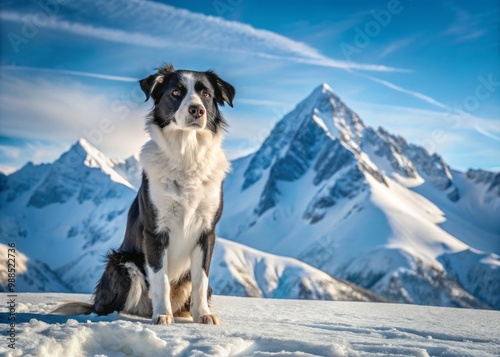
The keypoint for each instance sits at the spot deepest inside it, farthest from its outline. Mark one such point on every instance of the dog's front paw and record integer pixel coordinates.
(208, 319)
(163, 320)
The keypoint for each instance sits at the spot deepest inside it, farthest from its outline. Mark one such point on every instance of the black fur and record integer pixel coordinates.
(207, 239)
(140, 233)
(112, 290)
(207, 243)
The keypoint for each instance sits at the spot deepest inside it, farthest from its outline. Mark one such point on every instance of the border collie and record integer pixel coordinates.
(161, 269)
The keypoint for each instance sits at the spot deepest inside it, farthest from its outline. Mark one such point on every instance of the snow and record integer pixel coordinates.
(258, 328)
(474, 218)
(413, 219)
(392, 216)
(242, 271)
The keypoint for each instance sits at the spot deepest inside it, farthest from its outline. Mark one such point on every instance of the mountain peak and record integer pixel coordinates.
(83, 152)
(86, 150)
(320, 116)
(335, 117)
(321, 93)
(326, 88)
(85, 144)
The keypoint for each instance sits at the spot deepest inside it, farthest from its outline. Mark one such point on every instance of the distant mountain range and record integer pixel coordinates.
(366, 215)
(65, 216)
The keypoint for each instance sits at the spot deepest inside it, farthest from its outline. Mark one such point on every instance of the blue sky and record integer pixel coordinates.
(427, 70)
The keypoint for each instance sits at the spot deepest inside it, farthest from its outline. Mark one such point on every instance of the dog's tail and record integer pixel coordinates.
(74, 308)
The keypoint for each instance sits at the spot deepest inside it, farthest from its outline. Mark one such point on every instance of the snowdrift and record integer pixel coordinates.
(258, 327)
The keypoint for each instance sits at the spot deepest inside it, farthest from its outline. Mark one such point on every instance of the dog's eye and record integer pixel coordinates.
(205, 94)
(176, 93)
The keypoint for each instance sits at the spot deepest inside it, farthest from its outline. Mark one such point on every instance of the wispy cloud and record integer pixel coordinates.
(415, 94)
(482, 126)
(422, 118)
(190, 30)
(487, 133)
(270, 103)
(329, 62)
(470, 36)
(396, 46)
(69, 72)
(467, 26)
(103, 33)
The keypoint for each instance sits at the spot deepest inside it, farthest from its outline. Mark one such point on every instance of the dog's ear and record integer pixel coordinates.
(152, 84)
(224, 92)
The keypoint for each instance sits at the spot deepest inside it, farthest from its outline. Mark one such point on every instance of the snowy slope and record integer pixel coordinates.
(238, 270)
(366, 206)
(258, 328)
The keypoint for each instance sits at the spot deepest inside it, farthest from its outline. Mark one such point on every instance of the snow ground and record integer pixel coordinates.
(258, 328)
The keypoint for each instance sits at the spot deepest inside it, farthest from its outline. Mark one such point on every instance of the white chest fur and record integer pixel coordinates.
(185, 172)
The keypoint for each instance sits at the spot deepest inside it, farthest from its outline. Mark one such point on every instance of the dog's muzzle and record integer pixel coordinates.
(196, 112)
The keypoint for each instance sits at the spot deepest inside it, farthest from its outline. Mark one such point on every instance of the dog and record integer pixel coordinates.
(161, 268)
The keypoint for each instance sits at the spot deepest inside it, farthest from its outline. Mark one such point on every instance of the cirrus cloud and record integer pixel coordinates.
(146, 21)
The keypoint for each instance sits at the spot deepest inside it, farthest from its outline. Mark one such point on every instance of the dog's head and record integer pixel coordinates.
(187, 100)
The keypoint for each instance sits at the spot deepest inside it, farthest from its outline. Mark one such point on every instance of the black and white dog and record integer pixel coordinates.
(161, 269)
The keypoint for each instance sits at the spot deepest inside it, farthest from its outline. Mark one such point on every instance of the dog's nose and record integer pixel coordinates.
(196, 110)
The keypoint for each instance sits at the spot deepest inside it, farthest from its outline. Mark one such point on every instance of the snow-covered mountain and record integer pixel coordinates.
(70, 213)
(56, 212)
(366, 206)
